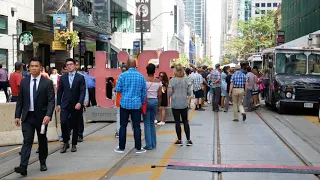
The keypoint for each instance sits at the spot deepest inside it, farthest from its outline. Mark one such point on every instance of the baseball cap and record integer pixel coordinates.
(237, 67)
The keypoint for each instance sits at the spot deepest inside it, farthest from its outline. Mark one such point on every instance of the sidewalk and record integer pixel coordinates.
(249, 142)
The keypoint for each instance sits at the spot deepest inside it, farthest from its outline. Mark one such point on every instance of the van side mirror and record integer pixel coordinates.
(270, 65)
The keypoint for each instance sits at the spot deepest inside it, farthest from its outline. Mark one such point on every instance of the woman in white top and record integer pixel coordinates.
(54, 78)
(154, 100)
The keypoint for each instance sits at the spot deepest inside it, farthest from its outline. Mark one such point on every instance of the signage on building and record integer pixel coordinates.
(59, 25)
(280, 38)
(136, 47)
(26, 38)
(144, 7)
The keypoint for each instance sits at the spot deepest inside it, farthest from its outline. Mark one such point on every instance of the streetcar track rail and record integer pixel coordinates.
(217, 149)
(296, 131)
(34, 159)
(288, 144)
(113, 170)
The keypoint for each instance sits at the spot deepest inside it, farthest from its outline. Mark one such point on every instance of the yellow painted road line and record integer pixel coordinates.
(84, 175)
(139, 169)
(96, 174)
(10, 151)
(313, 119)
(167, 156)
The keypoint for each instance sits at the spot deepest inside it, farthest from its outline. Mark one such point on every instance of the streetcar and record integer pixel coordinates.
(292, 77)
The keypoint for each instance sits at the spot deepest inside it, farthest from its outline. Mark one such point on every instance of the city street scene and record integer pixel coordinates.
(160, 89)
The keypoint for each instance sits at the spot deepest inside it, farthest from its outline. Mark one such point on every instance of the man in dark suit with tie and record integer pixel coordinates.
(35, 106)
(70, 98)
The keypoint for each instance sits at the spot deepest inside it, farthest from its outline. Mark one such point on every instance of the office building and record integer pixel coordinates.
(261, 7)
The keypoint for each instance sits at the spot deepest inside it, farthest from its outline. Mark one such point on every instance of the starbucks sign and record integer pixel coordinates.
(26, 38)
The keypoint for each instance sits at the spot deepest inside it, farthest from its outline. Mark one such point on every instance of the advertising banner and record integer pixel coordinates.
(59, 24)
(136, 47)
(144, 7)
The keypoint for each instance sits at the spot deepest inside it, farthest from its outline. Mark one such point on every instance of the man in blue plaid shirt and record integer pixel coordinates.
(238, 86)
(132, 86)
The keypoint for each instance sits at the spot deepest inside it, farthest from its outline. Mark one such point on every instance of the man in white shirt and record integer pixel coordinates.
(35, 106)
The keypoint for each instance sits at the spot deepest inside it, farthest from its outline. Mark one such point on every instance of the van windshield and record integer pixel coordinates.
(314, 64)
(289, 63)
(257, 63)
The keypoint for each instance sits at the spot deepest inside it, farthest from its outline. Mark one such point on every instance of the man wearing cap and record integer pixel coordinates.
(238, 87)
(215, 77)
(14, 81)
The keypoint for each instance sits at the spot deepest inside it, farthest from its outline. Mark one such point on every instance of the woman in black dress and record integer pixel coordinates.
(164, 102)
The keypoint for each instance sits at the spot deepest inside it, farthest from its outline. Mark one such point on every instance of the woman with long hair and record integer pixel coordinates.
(154, 94)
(164, 98)
(179, 90)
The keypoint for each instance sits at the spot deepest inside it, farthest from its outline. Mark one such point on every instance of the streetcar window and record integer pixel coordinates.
(314, 64)
(291, 63)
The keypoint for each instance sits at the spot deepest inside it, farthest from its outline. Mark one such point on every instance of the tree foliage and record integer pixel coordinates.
(252, 34)
(183, 60)
(204, 61)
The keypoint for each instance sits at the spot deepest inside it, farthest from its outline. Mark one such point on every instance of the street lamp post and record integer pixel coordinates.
(141, 30)
(141, 25)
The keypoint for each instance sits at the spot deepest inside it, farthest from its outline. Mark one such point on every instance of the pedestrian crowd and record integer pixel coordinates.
(41, 91)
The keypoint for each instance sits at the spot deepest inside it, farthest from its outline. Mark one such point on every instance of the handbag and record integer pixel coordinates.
(145, 103)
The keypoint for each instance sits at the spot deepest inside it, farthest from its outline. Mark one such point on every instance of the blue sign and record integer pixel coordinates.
(136, 47)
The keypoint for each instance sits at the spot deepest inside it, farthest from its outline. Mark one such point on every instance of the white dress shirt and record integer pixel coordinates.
(31, 107)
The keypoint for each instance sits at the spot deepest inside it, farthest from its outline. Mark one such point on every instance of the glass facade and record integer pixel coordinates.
(3, 25)
(299, 18)
(4, 58)
(194, 13)
(123, 22)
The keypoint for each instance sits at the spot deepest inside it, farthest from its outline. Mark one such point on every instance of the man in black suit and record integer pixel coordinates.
(70, 98)
(35, 106)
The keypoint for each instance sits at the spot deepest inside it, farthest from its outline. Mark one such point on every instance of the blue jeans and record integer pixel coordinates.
(148, 120)
(136, 119)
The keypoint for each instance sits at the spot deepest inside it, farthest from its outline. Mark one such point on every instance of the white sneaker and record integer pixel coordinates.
(140, 151)
(155, 121)
(161, 123)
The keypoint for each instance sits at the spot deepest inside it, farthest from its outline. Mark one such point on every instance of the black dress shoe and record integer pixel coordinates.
(80, 139)
(64, 148)
(43, 167)
(74, 148)
(21, 170)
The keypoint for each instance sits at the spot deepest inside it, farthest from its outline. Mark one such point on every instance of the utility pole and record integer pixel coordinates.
(141, 30)
(71, 27)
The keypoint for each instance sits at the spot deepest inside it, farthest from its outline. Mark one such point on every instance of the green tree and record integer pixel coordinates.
(183, 60)
(254, 33)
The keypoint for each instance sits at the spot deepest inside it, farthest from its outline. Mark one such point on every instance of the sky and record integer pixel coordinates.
(214, 17)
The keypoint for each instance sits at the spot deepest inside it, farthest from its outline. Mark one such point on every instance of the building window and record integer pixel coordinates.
(257, 4)
(263, 4)
(257, 11)
(263, 11)
(268, 4)
(3, 25)
(4, 58)
(275, 4)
